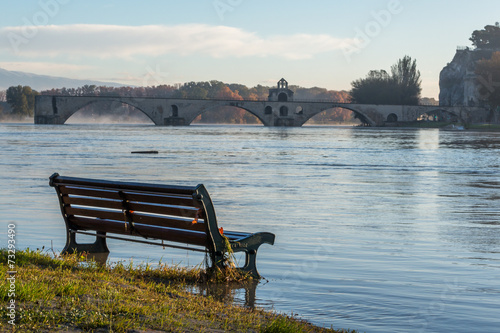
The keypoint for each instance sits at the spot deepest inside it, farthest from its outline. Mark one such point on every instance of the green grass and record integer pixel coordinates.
(64, 295)
(422, 124)
(438, 124)
(484, 127)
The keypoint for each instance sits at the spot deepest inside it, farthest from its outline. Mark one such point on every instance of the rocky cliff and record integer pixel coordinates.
(457, 81)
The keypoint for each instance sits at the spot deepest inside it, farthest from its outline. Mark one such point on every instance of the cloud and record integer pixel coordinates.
(111, 41)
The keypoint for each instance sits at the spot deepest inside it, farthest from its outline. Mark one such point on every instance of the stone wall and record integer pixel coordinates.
(458, 82)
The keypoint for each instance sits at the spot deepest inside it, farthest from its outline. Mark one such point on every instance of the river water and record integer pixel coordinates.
(376, 230)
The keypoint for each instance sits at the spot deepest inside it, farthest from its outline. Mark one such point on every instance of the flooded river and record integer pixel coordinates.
(376, 230)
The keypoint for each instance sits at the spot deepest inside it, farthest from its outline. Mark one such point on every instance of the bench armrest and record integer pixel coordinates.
(252, 242)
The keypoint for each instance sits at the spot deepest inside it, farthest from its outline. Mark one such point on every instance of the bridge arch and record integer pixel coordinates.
(392, 118)
(334, 115)
(363, 118)
(68, 114)
(439, 114)
(211, 107)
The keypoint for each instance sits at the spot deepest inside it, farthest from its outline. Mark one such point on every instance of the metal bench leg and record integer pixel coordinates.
(250, 265)
(217, 259)
(99, 246)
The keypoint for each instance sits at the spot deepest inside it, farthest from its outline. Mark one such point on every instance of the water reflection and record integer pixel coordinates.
(231, 293)
(100, 258)
(428, 139)
(470, 141)
(240, 293)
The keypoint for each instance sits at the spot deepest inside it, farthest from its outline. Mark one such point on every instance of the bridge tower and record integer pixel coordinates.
(282, 93)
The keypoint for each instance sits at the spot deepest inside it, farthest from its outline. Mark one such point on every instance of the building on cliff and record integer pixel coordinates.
(458, 82)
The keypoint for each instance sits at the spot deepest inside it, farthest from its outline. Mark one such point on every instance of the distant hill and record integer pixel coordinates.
(43, 82)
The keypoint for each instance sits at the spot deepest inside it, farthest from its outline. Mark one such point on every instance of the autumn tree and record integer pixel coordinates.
(488, 38)
(242, 90)
(259, 92)
(22, 100)
(402, 86)
(227, 93)
(488, 78)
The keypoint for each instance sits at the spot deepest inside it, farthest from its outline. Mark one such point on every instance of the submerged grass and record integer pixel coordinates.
(63, 295)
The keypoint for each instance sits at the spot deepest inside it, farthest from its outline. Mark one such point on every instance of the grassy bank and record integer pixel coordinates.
(420, 124)
(444, 125)
(484, 127)
(64, 295)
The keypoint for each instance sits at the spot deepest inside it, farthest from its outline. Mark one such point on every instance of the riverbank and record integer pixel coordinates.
(486, 127)
(66, 295)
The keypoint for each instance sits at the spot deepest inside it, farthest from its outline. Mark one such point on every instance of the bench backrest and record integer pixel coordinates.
(179, 214)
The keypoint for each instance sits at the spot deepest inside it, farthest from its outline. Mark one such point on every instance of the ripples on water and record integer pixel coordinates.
(377, 230)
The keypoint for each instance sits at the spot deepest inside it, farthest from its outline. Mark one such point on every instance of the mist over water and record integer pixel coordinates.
(376, 230)
(117, 114)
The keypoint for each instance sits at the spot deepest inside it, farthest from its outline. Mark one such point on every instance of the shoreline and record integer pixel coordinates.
(64, 295)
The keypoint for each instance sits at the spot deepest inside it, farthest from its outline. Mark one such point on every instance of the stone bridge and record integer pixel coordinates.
(278, 112)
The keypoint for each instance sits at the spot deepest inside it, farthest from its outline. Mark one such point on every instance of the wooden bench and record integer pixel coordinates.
(150, 213)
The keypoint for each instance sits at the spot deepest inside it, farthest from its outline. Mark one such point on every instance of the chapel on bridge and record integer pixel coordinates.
(281, 93)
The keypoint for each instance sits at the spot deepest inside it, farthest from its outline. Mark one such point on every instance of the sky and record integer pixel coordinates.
(311, 43)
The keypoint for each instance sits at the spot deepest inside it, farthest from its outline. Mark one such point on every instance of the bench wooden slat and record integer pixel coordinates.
(178, 200)
(161, 221)
(164, 210)
(185, 190)
(185, 201)
(168, 234)
(133, 206)
(114, 204)
(102, 214)
(89, 192)
(168, 222)
(102, 225)
(173, 235)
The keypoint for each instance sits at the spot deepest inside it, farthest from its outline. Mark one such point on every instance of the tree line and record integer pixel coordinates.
(198, 90)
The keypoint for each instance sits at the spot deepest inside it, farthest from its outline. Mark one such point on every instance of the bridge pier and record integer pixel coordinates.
(284, 122)
(49, 120)
(174, 121)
